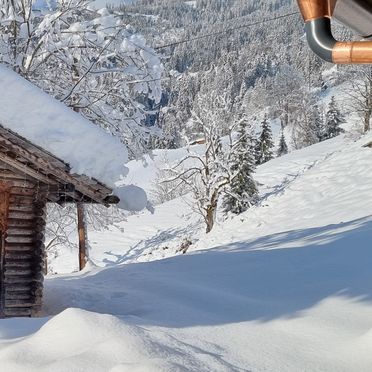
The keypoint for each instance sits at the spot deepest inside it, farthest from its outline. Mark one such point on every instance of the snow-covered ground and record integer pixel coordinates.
(284, 287)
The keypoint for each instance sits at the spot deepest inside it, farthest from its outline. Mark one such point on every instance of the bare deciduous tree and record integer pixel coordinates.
(360, 93)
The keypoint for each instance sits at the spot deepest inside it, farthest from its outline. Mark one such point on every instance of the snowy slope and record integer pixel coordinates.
(303, 182)
(285, 287)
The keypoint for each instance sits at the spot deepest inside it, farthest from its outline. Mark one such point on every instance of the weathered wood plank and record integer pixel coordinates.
(11, 272)
(18, 265)
(18, 165)
(19, 288)
(27, 208)
(21, 199)
(18, 312)
(17, 279)
(14, 231)
(94, 192)
(19, 182)
(17, 223)
(18, 256)
(18, 303)
(18, 296)
(19, 239)
(21, 215)
(20, 191)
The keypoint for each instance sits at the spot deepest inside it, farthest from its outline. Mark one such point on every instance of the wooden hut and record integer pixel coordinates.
(30, 177)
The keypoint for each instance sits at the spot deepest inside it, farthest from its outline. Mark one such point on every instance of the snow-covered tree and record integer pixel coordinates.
(307, 125)
(265, 144)
(91, 60)
(164, 190)
(318, 123)
(205, 173)
(334, 118)
(359, 90)
(241, 192)
(283, 147)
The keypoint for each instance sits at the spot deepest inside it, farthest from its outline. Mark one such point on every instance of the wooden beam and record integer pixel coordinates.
(52, 166)
(25, 169)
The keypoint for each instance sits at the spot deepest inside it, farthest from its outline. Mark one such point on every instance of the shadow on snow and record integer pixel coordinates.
(244, 281)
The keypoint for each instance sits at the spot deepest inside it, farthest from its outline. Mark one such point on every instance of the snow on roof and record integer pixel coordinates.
(39, 118)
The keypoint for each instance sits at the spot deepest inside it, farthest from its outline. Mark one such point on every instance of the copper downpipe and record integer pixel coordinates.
(313, 9)
(317, 14)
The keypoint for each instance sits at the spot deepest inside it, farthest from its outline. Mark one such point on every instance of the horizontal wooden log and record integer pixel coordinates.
(20, 191)
(18, 296)
(17, 280)
(16, 231)
(19, 239)
(20, 223)
(37, 245)
(21, 280)
(17, 247)
(18, 303)
(18, 256)
(21, 183)
(28, 208)
(11, 272)
(18, 312)
(21, 215)
(36, 238)
(23, 288)
(18, 264)
(21, 199)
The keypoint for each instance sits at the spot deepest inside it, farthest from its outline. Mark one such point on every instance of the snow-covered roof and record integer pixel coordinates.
(42, 120)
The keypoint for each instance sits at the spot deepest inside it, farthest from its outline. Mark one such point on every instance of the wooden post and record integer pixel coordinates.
(83, 254)
(4, 210)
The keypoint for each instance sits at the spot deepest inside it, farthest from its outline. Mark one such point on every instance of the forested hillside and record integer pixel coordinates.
(255, 59)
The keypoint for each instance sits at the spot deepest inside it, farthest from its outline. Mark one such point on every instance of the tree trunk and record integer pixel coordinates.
(209, 220)
(367, 120)
(210, 216)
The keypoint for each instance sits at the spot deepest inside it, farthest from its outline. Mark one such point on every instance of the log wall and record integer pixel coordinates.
(22, 246)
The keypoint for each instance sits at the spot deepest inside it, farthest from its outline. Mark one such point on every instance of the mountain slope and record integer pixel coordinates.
(285, 287)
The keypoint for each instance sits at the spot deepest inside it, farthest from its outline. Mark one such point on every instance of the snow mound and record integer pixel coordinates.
(132, 198)
(78, 340)
(42, 120)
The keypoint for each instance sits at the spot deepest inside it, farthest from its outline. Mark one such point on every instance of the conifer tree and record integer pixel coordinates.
(283, 148)
(334, 119)
(265, 143)
(318, 126)
(242, 191)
